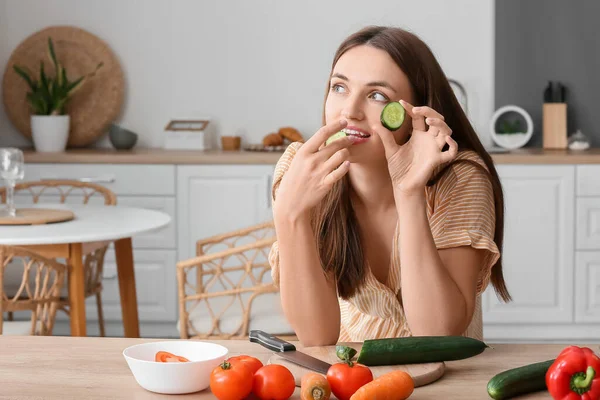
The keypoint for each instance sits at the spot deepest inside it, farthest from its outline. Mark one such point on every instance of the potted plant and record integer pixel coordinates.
(510, 133)
(48, 98)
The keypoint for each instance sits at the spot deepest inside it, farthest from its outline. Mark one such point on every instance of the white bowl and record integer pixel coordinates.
(174, 378)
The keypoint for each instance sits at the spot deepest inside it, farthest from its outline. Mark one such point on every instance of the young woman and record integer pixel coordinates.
(387, 233)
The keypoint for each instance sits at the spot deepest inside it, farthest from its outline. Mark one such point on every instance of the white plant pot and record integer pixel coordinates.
(50, 133)
(512, 140)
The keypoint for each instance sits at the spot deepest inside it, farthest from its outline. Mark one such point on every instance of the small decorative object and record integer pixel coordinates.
(511, 134)
(121, 138)
(578, 141)
(231, 143)
(186, 134)
(11, 170)
(48, 98)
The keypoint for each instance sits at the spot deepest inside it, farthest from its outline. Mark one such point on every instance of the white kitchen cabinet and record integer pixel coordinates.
(538, 253)
(214, 199)
(587, 287)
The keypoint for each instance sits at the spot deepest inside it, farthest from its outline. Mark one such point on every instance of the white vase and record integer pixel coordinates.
(50, 133)
(512, 140)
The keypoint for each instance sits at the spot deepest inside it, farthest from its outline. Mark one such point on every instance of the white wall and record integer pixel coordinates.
(252, 65)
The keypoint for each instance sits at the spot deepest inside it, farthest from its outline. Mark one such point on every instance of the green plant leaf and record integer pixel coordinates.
(73, 86)
(43, 80)
(59, 75)
(52, 54)
(25, 75)
(37, 103)
(64, 80)
(60, 104)
(45, 91)
(517, 126)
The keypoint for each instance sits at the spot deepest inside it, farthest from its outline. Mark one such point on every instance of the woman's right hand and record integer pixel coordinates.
(313, 172)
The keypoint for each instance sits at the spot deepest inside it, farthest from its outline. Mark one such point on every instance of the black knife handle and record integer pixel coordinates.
(270, 342)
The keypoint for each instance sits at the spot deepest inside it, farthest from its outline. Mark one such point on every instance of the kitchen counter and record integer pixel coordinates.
(162, 156)
(94, 368)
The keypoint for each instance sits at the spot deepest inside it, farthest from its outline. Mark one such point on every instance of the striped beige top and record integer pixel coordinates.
(460, 209)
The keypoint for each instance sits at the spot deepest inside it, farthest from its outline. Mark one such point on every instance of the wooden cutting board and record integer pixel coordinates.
(37, 216)
(422, 374)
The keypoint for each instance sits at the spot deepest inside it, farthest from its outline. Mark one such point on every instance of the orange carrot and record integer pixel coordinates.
(395, 385)
(314, 386)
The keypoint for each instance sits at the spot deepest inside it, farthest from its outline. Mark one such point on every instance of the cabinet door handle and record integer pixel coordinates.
(99, 179)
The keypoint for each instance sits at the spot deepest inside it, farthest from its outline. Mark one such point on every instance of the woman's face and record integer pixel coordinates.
(363, 81)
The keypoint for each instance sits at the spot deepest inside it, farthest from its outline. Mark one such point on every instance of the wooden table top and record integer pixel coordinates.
(94, 368)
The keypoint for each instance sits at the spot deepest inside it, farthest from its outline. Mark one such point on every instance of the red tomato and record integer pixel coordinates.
(165, 356)
(345, 379)
(254, 364)
(231, 381)
(274, 382)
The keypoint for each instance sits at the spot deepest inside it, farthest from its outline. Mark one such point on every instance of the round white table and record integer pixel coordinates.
(92, 227)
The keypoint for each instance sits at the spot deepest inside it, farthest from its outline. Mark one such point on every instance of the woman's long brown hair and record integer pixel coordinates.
(333, 220)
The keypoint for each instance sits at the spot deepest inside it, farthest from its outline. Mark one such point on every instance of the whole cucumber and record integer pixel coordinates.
(517, 381)
(418, 349)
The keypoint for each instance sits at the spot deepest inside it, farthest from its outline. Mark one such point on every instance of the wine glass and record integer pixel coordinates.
(11, 170)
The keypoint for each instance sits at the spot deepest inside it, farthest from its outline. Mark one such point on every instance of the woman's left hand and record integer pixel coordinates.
(412, 164)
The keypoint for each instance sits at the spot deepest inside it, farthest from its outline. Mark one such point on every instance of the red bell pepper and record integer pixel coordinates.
(575, 374)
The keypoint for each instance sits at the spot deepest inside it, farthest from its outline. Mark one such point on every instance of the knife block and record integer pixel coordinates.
(555, 125)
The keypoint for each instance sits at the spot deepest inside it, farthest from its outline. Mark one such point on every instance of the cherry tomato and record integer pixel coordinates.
(274, 382)
(345, 379)
(254, 364)
(231, 381)
(165, 356)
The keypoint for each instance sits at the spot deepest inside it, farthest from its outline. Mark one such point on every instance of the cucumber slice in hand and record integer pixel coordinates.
(392, 115)
(335, 137)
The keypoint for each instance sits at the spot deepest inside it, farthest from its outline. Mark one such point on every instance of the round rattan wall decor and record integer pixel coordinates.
(93, 106)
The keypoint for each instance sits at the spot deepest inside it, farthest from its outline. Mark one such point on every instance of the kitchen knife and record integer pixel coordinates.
(548, 96)
(288, 351)
(562, 93)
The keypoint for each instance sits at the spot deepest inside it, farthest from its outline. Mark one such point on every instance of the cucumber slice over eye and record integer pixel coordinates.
(335, 137)
(392, 115)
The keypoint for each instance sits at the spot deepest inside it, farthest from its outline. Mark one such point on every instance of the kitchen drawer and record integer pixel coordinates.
(588, 180)
(588, 223)
(156, 287)
(136, 179)
(587, 286)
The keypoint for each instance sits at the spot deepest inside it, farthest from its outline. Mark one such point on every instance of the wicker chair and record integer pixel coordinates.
(94, 260)
(237, 263)
(38, 292)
